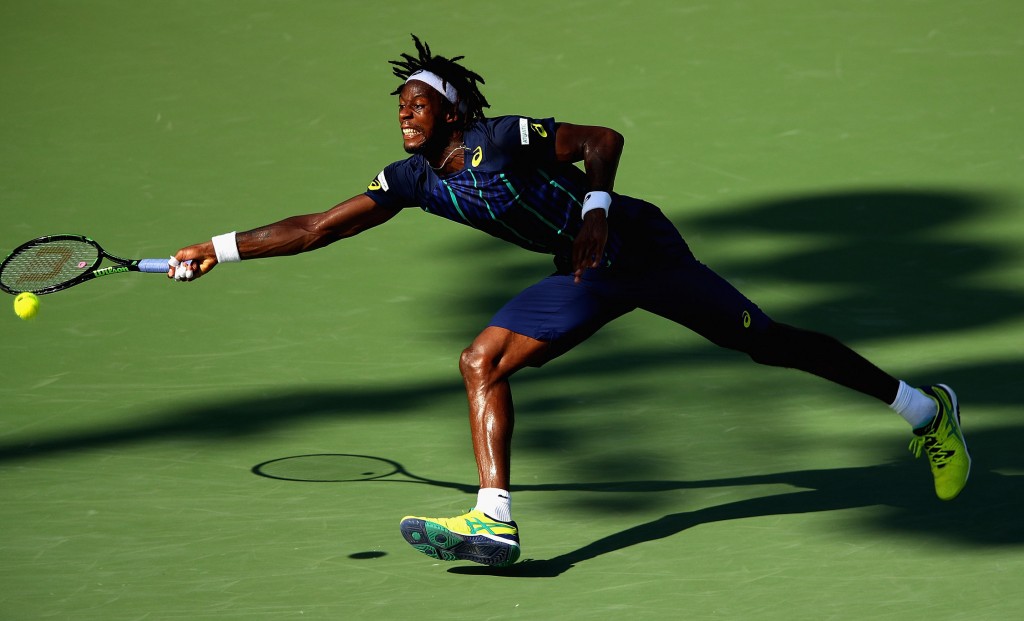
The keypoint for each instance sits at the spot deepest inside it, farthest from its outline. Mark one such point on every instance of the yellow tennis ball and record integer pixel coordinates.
(26, 305)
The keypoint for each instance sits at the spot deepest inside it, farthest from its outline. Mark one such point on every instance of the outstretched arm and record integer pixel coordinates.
(599, 148)
(293, 235)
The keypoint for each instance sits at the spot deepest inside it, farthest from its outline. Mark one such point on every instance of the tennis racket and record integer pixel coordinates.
(56, 262)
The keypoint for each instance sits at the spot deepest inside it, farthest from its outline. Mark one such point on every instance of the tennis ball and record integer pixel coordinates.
(26, 305)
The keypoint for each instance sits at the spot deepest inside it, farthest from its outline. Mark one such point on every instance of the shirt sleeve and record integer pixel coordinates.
(525, 139)
(394, 187)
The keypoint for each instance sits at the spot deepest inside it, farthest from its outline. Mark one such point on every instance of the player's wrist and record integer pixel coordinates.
(226, 248)
(596, 199)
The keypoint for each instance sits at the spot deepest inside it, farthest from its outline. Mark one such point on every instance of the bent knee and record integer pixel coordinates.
(499, 353)
(764, 346)
(475, 361)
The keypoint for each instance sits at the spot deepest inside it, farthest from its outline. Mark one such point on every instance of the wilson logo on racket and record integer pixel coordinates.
(104, 271)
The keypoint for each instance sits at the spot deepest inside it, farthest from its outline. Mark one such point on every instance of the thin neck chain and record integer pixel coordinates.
(461, 147)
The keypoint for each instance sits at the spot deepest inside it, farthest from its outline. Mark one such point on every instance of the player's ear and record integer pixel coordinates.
(452, 114)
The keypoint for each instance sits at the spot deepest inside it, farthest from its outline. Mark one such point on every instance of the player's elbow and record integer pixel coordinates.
(609, 143)
(617, 140)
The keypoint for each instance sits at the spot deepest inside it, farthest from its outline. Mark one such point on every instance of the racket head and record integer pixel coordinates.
(328, 468)
(50, 263)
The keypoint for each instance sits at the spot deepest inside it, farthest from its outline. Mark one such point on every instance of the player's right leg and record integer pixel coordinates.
(540, 323)
(487, 534)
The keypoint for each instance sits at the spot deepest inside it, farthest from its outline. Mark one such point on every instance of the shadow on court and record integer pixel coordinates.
(976, 385)
(891, 249)
(237, 419)
(900, 274)
(893, 259)
(987, 513)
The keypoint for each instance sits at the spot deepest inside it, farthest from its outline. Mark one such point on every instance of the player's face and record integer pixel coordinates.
(423, 115)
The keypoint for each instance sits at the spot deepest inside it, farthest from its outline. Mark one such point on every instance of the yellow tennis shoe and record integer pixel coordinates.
(469, 537)
(943, 442)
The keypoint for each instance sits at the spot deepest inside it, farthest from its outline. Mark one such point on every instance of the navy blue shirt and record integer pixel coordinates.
(514, 188)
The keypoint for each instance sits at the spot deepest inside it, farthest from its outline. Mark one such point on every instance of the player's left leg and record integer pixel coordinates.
(706, 303)
(932, 411)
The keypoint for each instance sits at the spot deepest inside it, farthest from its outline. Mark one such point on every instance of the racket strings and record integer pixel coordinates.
(47, 264)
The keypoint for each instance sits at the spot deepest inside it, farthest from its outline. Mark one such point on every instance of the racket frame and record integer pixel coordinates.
(88, 273)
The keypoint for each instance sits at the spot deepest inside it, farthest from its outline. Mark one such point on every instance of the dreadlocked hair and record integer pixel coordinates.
(471, 100)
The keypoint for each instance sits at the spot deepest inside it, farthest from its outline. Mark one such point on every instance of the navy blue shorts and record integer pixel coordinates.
(564, 313)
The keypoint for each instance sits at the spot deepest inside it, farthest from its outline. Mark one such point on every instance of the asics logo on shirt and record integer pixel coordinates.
(524, 131)
(380, 182)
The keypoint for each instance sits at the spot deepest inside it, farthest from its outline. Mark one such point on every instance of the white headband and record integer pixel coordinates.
(434, 80)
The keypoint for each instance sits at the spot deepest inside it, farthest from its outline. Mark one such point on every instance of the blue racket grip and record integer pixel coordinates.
(153, 266)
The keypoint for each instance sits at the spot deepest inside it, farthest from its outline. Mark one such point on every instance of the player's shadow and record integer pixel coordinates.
(986, 514)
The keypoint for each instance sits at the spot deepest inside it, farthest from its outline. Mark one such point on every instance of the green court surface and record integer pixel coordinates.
(855, 167)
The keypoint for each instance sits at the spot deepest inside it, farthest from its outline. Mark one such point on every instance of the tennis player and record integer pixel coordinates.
(514, 178)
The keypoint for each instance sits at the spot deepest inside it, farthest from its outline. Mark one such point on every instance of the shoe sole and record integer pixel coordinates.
(442, 544)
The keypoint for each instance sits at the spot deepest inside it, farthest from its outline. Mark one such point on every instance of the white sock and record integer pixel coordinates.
(914, 406)
(496, 503)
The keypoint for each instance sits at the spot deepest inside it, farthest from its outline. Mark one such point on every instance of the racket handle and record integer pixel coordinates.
(153, 266)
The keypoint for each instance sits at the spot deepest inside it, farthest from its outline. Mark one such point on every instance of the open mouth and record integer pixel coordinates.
(412, 139)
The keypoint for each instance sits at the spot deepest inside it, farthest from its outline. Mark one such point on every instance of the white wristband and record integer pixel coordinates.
(226, 248)
(596, 200)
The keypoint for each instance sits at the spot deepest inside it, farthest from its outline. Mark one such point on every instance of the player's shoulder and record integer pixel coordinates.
(498, 142)
(399, 171)
(400, 182)
(513, 129)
